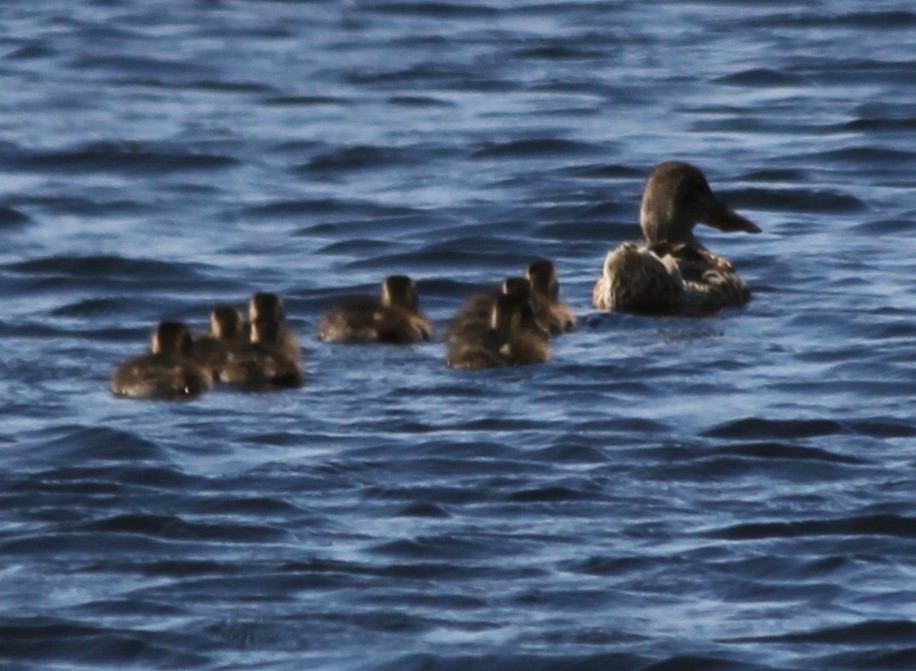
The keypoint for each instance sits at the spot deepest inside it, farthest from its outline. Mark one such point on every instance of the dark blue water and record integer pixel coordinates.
(731, 493)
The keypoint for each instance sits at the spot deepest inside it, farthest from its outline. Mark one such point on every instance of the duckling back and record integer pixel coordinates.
(155, 376)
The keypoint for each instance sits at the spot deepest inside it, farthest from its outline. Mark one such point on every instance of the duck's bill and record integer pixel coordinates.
(727, 220)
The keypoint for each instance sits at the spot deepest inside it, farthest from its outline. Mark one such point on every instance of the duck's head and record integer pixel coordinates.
(512, 314)
(517, 286)
(265, 304)
(172, 339)
(400, 291)
(543, 278)
(226, 323)
(677, 197)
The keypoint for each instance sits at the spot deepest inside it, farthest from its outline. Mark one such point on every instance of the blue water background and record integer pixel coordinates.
(730, 493)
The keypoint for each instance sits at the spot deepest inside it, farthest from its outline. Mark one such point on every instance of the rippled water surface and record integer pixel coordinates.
(729, 493)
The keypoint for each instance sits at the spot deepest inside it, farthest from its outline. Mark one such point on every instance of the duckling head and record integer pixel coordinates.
(543, 278)
(226, 323)
(517, 286)
(265, 304)
(400, 291)
(512, 314)
(172, 339)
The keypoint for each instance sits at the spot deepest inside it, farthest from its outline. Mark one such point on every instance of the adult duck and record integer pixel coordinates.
(671, 272)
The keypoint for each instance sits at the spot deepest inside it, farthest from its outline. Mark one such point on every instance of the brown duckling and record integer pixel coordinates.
(267, 305)
(553, 316)
(473, 319)
(513, 338)
(168, 372)
(265, 361)
(672, 273)
(392, 318)
(228, 330)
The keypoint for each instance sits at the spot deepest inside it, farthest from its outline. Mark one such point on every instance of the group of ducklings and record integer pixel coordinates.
(259, 352)
(668, 273)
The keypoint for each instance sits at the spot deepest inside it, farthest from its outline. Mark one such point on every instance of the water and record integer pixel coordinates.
(732, 493)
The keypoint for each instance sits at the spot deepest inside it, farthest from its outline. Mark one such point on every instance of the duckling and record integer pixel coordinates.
(393, 318)
(473, 319)
(267, 305)
(553, 316)
(512, 339)
(265, 361)
(642, 279)
(168, 372)
(228, 330)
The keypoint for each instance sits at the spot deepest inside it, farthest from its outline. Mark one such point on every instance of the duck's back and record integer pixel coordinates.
(473, 318)
(473, 350)
(257, 365)
(351, 321)
(710, 281)
(159, 376)
(715, 290)
(636, 280)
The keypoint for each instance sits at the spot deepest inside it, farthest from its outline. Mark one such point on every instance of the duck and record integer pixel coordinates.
(169, 371)
(553, 316)
(671, 272)
(228, 330)
(513, 338)
(265, 305)
(264, 362)
(392, 318)
(473, 319)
